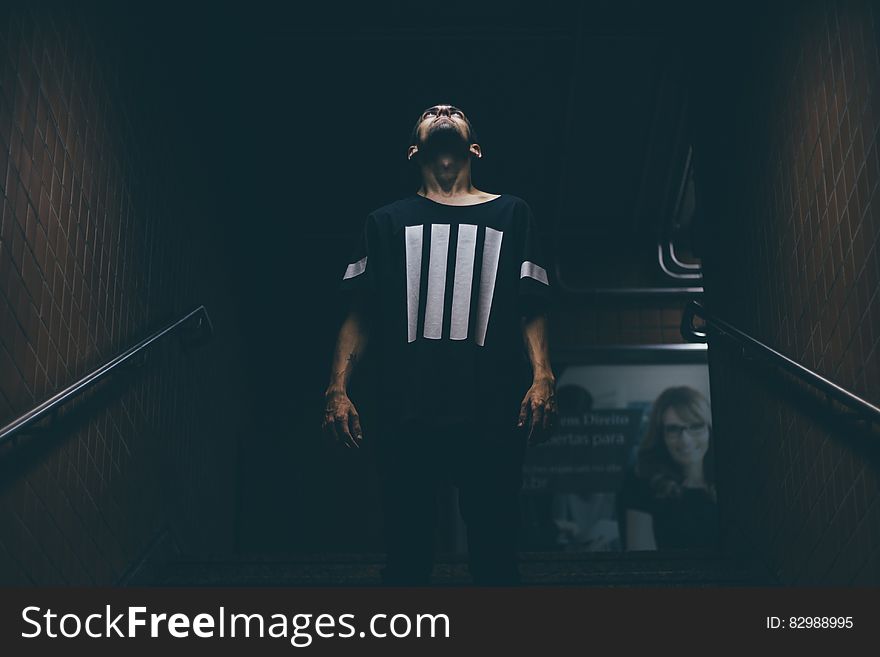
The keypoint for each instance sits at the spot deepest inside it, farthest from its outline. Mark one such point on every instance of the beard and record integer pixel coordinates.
(444, 137)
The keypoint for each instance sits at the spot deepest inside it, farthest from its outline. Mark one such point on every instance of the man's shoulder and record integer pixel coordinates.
(394, 207)
(518, 210)
(402, 209)
(514, 199)
(522, 206)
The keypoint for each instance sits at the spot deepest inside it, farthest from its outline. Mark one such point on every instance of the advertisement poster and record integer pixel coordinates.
(630, 465)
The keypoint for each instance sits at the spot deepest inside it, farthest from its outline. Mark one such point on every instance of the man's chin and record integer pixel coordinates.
(442, 127)
(444, 137)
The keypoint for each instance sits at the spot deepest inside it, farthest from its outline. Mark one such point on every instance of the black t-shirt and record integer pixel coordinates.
(446, 287)
(689, 521)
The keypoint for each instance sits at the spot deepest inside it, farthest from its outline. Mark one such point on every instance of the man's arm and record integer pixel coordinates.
(538, 407)
(341, 419)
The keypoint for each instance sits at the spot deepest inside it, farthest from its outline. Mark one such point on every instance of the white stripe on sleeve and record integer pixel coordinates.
(355, 268)
(532, 270)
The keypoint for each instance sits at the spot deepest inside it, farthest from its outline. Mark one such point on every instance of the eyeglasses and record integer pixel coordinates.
(434, 111)
(676, 430)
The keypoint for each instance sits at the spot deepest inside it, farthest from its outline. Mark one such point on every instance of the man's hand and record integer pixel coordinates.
(538, 410)
(341, 420)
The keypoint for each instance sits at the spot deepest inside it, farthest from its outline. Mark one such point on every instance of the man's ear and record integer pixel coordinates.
(475, 150)
(411, 151)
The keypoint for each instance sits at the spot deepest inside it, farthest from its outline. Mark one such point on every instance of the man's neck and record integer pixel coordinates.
(448, 177)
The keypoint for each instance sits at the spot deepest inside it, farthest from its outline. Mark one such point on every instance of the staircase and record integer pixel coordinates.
(629, 569)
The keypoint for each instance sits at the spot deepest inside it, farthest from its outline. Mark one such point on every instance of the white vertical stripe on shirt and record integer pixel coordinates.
(413, 241)
(436, 281)
(464, 275)
(491, 255)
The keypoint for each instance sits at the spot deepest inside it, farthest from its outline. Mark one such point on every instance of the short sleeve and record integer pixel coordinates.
(358, 275)
(534, 281)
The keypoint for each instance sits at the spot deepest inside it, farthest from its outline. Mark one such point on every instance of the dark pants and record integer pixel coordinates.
(486, 466)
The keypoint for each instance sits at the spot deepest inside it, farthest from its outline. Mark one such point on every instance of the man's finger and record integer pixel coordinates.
(342, 431)
(355, 422)
(537, 415)
(347, 431)
(523, 413)
(549, 416)
(330, 427)
(537, 435)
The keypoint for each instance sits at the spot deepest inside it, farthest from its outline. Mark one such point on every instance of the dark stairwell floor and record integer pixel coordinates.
(629, 569)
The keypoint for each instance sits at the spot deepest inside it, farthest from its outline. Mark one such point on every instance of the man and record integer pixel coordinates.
(452, 285)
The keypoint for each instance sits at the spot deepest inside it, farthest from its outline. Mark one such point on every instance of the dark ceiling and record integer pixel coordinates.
(300, 117)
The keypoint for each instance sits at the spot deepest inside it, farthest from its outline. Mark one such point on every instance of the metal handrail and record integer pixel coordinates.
(693, 266)
(672, 274)
(53, 403)
(626, 291)
(831, 389)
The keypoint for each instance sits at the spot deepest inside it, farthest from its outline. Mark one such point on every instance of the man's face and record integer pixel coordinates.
(443, 128)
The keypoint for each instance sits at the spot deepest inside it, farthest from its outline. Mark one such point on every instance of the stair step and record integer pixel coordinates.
(537, 569)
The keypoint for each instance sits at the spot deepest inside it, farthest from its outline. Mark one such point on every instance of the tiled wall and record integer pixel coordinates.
(615, 321)
(788, 168)
(96, 250)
